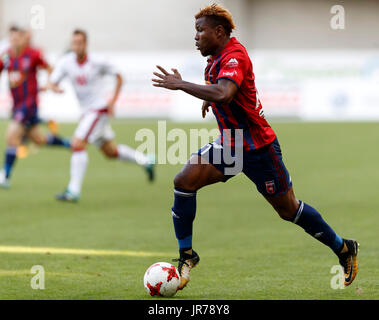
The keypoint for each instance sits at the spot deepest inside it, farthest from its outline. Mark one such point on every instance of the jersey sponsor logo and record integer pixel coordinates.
(229, 74)
(270, 187)
(16, 78)
(81, 80)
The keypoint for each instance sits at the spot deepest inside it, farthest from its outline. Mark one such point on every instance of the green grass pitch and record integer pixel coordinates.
(246, 251)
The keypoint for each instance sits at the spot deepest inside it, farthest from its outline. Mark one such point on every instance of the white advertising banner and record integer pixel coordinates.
(307, 85)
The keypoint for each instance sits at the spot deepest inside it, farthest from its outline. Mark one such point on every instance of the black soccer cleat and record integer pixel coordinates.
(150, 168)
(348, 260)
(68, 196)
(150, 171)
(185, 263)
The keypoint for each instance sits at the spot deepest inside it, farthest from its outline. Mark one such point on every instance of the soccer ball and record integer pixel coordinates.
(161, 279)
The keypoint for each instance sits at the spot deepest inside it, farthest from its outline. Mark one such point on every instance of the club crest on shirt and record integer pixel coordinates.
(232, 63)
(270, 187)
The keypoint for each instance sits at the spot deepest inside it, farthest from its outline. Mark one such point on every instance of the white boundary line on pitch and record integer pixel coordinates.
(88, 252)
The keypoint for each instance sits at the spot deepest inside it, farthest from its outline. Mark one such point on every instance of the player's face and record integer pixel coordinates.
(79, 44)
(15, 39)
(26, 37)
(207, 40)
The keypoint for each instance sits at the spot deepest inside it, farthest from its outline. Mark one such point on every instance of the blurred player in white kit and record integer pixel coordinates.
(86, 74)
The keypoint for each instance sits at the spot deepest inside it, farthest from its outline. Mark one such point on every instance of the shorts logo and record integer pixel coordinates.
(18, 116)
(270, 187)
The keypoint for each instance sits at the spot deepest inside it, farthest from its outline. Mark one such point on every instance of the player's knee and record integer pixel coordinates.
(13, 141)
(184, 182)
(285, 214)
(40, 141)
(78, 145)
(110, 151)
(111, 154)
(286, 211)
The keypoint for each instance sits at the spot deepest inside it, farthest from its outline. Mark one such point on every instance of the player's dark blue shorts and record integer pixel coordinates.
(263, 166)
(28, 116)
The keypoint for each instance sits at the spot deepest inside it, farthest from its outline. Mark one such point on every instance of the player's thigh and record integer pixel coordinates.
(197, 174)
(15, 133)
(94, 128)
(109, 148)
(35, 134)
(265, 167)
(267, 170)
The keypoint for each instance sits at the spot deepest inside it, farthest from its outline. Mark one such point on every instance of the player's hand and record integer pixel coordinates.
(167, 80)
(53, 87)
(205, 108)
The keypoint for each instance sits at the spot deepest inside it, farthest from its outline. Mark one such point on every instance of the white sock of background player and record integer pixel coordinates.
(126, 153)
(79, 162)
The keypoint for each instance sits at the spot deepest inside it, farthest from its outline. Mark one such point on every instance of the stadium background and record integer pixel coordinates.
(100, 248)
(304, 68)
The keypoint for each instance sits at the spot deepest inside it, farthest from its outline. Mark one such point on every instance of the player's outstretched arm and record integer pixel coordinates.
(222, 92)
(112, 102)
(53, 87)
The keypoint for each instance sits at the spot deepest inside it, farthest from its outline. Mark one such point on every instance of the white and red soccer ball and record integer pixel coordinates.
(161, 279)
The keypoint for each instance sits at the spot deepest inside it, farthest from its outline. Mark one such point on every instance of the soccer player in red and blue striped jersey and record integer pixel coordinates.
(22, 63)
(246, 135)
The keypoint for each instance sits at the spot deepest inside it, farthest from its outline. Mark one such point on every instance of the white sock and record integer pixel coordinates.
(126, 153)
(79, 162)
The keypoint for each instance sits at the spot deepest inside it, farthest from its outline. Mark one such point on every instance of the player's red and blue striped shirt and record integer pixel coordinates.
(245, 110)
(22, 74)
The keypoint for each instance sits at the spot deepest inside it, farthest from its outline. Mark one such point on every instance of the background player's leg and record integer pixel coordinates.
(128, 154)
(15, 132)
(306, 217)
(79, 162)
(124, 153)
(35, 134)
(191, 178)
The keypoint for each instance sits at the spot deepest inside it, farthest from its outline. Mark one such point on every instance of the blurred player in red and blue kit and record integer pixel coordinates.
(231, 93)
(22, 63)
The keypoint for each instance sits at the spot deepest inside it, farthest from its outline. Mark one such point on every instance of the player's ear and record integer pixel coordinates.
(220, 31)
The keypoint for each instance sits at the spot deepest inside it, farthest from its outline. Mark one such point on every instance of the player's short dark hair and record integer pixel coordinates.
(218, 15)
(14, 28)
(80, 32)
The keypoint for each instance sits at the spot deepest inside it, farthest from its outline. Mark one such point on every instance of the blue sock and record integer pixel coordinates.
(183, 215)
(10, 158)
(58, 141)
(312, 222)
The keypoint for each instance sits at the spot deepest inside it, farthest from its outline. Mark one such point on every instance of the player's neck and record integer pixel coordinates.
(16, 51)
(221, 47)
(81, 58)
